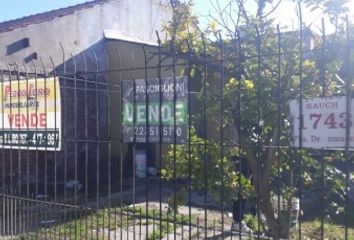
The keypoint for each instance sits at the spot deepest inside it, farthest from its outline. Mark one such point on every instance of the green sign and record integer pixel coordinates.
(157, 112)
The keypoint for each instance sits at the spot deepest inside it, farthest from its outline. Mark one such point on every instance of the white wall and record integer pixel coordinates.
(82, 30)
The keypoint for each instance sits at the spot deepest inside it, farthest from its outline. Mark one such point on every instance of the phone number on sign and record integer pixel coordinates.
(30, 139)
(154, 131)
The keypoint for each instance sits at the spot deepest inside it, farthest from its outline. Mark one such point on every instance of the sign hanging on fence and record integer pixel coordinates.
(30, 114)
(324, 123)
(169, 99)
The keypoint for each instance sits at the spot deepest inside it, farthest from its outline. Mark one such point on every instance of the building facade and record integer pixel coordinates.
(84, 46)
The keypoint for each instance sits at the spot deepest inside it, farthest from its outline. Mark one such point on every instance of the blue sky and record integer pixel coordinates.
(12, 9)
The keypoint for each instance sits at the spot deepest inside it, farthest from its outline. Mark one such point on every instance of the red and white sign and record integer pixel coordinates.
(324, 123)
(30, 114)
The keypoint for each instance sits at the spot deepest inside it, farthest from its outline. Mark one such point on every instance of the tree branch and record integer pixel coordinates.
(243, 10)
(273, 9)
(270, 155)
(220, 13)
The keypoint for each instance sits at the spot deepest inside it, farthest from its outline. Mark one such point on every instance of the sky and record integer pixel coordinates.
(12, 9)
(286, 14)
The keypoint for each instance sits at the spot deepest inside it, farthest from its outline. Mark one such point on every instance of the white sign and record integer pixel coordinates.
(324, 123)
(30, 114)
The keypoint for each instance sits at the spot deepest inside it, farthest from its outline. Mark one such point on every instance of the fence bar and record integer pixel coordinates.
(159, 69)
(205, 135)
(259, 124)
(75, 141)
(83, 56)
(65, 132)
(121, 152)
(98, 145)
(189, 68)
(89, 187)
(147, 135)
(322, 153)
(279, 123)
(239, 129)
(300, 159)
(222, 84)
(27, 161)
(349, 98)
(134, 141)
(174, 139)
(3, 162)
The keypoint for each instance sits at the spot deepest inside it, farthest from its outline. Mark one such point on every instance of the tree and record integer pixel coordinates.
(263, 76)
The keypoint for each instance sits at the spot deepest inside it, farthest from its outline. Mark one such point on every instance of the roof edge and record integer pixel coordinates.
(111, 34)
(47, 16)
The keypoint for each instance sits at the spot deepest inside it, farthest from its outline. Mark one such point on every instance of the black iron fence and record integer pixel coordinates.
(248, 137)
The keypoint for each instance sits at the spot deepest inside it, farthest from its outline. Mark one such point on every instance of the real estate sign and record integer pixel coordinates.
(155, 112)
(324, 123)
(30, 114)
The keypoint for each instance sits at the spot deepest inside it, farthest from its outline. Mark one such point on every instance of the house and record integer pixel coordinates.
(83, 45)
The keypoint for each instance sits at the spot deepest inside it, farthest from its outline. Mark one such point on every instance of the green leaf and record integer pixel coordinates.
(193, 71)
(249, 85)
(164, 173)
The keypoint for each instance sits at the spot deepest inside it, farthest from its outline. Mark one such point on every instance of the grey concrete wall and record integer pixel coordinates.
(137, 19)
